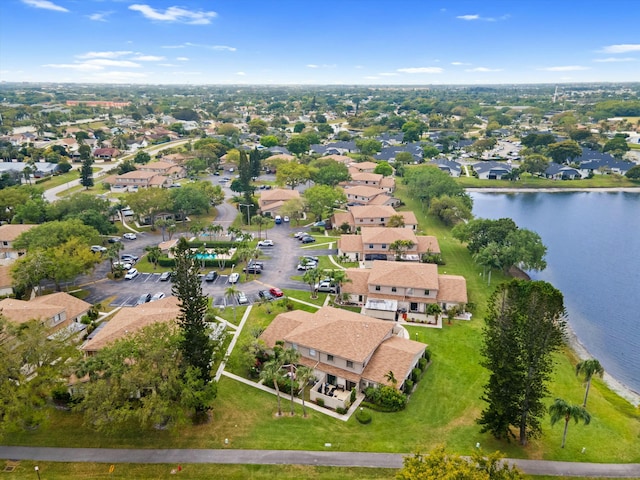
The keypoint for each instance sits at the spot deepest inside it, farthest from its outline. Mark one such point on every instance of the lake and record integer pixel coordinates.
(593, 258)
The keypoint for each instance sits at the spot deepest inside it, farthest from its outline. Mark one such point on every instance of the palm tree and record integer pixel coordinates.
(153, 255)
(434, 309)
(391, 378)
(171, 229)
(196, 227)
(289, 359)
(561, 409)
(232, 292)
(589, 368)
(311, 277)
(489, 257)
(214, 229)
(113, 252)
(303, 375)
(259, 220)
(271, 372)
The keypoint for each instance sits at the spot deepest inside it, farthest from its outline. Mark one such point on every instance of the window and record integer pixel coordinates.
(349, 364)
(371, 245)
(382, 219)
(329, 358)
(426, 292)
(377, 288)
(294, 346)
(413, 306)
(312, 352)
(384, 245)
(394, 289)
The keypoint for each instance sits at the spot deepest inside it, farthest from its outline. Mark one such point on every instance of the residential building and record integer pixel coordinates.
(167, 169)
(364, 195)
(8, 234)
(106, 153)
(374, 243)
(270, 201)
(137, 179)
(389, 288)
(372, 216)
(492, 170)
(346, 350)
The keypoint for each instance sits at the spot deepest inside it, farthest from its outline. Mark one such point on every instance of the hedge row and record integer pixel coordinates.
(208, 263)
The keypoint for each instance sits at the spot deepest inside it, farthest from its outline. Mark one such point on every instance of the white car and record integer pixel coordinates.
(122, 265)
(285, 219)
(242, 298)
(265, 243)
(131, 274)
(234, 277)
(98, 249)
(157, 296)
(129, 236)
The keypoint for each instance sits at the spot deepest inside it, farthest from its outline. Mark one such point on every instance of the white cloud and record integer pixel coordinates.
(186, 73)
(324, 65)
(175, 14)
(183, 59)
(622, 48)
(44, 4)
(241, 74)
(149, 58)
(74, 66)
(167, 65)
(614, 59)
(421, 70)
(312, 65)
(457, 64)
(105, 62)
(116, 77)
(371, 77)
(112, 54)
(470, 18)
(388, 74)
(564, 68)
(219, 48)
(483, 69)
(99, 16)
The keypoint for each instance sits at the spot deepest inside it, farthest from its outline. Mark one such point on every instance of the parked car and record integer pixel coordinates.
(98, 249)
(285, 219)
(278, 219)
(130, 236)
(325, 286)
(308, 239)
(265, 243)
(211, 276)
(276, 292)
(310, 258)
(166, 276)
(128, 257)
(252, 269)
(266, 294)
(256, 263)
(234, 277)
(157, 296)
(321, 223)
(307, 266)
(299, 234)
(131, 274)
(113, 240)
(242, 298)
(122, 265)
(144, 298)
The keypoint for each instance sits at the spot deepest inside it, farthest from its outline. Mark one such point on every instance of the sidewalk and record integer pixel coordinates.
(326, 458)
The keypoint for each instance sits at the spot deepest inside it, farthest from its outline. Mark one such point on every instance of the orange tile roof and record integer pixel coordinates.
(132, 319)
(363, 191)
(6, 280)
(278, 194)
(428, 243)
(359, 281)
(409, 218)
(43, 308)
(387, 235)
(9, 232)
(453, 288)
(350, 243)
(342, 217)
(73, 306)
(373, 211)
(404, 274)
(396, 355)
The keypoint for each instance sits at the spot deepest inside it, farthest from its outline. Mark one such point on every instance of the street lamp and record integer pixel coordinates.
(248, 212)
(37, 469)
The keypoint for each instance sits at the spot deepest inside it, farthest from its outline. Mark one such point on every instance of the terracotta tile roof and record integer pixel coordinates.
(381, 199)
(342, 217)
(138, 174)
(158, 180)
(132, 319)
(337, 332)
(5, 276)
(270, 207)
(409, 218)
(330, 369)
(20, 311)
(72, 305)
(340, 158)
(282, 325)
(395, 354)
(453, 288)
(387, 235)
(363, 191)
(278, 194)
(9, 232)
(359, 283)
(159, 165)
(358, 176)
(404, 274)
(364, 166)
(373, 211)
(350, 243)
(427, 243)
(388, 182)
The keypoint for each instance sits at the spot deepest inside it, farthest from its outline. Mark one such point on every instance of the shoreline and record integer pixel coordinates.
(573, 341)
(622, 390)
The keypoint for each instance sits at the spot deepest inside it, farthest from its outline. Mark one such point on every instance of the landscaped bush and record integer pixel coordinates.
(415, 374)
(388, 398)
(363, 416)
(353, 395)
(408, 386)
(341, 410)
(422, 363)
(320, 402)
(427, 356)
(165, 261)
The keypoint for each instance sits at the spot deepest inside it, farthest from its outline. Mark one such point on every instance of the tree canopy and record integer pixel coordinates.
(292, 174)
(322, 199)
(327, 171)
(427, 182)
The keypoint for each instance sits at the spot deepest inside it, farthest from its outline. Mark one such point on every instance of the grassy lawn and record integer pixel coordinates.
(598, 181)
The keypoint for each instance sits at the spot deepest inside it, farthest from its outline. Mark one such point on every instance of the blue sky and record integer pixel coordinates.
(406, 42)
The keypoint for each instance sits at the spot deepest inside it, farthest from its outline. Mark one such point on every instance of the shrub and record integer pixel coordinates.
(363, 416)
(320, 402)
(415, 374)
(353, 395)
(60, 395)
(341, 410)
(427, 356)
(408, 386)
(422, 363)
(386, 397)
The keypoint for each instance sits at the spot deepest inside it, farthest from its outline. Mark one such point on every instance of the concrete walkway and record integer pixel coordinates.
(326, 458)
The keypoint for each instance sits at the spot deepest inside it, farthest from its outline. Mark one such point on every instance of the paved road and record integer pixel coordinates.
(291, 457)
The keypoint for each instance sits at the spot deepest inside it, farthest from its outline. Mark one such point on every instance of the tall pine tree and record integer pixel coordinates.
(525, 325)
(196, 346)
(86, 173)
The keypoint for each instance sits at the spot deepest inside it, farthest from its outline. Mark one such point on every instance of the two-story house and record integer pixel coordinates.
(374, 243)
(168, 169)
(346, 350)
(8, 234)
(387, 184)
(391, 288)
(365, 195)
(56, 311)
(137, 179)
(359, 216)
(270, 201)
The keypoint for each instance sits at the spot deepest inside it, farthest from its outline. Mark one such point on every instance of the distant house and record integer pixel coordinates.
(270, 201)
(38, 169)
(391, 287)
(8, 234)
(334, 148)
(168, 169)
(346, 350)
(138, 179)
(106, 153)
(129, 320)
(450, 167)
(562, 172)
(55, 311)
(372, 216)
(364, 195)
(374, 243)
(605, 166)
(492, 170)
(6, 280)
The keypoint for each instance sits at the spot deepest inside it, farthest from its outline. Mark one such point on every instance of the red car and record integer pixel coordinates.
(276, 292)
